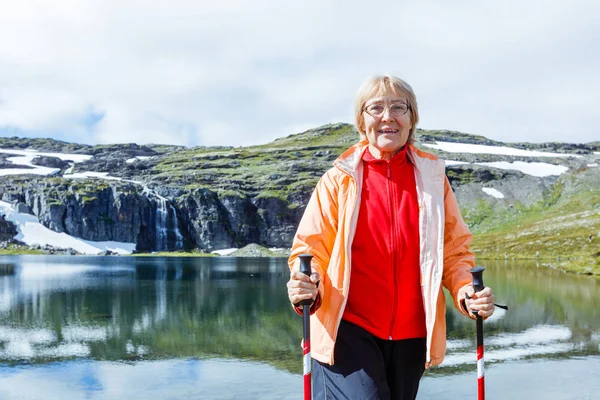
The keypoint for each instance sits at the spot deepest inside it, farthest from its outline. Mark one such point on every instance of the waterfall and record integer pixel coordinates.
(161, 224)
(178, 236)
(167, 226)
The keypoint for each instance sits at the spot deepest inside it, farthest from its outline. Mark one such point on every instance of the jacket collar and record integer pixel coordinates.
(350, 160)
(397, 160)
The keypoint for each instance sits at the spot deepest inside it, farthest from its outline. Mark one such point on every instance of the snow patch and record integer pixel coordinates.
(91, 174)
(493, 192)
(134, 159)
(31, 154)
(452, 162)
(24, 171)
(31, 232)
(452, 147)
(593, 165)
(97, 175)
(534, 168)
(224, 252)
(24, 157)
(279, 249)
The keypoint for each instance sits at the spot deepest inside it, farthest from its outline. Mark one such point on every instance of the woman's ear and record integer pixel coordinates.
(361, 126)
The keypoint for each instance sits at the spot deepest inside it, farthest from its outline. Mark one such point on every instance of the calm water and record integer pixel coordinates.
(222, 328)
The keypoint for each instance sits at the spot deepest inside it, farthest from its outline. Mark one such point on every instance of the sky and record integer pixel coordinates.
(238, 72)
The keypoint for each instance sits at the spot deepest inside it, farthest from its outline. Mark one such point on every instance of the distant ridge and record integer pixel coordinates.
(221, 197)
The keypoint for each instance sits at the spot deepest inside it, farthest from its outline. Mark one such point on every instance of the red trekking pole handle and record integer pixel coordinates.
(478, 286)
(306, 361)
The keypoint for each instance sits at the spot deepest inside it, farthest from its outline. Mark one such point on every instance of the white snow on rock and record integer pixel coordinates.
(97, 175)
(32, 232)
(533, 168)
(593, 165)
(483, 149)
(23, 171)
(224, 252)
(91, 174)
(24, 157)
(134, 159)
(452, 162)
(493, 192)
(31, 154)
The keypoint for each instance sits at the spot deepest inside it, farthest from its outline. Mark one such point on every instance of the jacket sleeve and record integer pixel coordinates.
(317, 230)
(458, 258)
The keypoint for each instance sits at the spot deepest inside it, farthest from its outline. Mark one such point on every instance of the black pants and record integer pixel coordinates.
(366, 367)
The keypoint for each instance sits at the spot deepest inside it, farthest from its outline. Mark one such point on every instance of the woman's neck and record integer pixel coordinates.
(383, 155)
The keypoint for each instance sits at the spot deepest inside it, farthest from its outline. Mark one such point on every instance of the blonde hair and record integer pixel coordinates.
(383, 85)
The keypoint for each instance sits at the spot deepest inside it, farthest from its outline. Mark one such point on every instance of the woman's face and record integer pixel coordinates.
(389, 131)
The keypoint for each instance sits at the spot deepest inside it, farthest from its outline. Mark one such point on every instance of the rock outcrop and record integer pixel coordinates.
(8, 230)
(209, 198)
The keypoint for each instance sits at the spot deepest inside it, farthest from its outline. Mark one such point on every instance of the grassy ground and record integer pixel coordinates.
(564, 234)
(13, 250)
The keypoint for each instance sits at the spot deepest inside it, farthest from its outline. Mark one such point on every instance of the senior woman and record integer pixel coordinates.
(386, 234)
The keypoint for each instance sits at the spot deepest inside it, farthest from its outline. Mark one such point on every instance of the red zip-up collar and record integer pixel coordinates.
(398, 160)
(385, 296)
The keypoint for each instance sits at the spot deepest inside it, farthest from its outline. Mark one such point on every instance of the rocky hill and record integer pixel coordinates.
(518, 198)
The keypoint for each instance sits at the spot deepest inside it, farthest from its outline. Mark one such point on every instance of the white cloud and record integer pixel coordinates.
(237, 72)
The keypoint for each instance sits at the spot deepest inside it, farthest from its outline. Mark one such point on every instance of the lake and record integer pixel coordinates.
(222, 328)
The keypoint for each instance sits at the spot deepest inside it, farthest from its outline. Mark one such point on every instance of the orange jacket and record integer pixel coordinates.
(327, 229)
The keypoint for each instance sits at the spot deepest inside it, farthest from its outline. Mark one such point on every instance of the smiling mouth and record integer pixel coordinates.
(388, 131)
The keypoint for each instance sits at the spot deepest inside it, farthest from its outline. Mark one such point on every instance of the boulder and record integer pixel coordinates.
(49, 162)
(8, 230)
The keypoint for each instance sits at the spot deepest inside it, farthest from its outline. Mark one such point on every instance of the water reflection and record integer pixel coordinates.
(126, 308)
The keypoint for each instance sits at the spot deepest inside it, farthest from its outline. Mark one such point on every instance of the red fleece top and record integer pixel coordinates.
(385, 283)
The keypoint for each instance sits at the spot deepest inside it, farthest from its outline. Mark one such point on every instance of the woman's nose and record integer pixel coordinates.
(387, 114)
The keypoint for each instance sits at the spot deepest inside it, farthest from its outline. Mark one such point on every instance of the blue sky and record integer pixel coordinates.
(236, 72)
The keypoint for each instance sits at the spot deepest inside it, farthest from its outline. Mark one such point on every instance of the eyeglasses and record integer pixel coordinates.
(396, 109)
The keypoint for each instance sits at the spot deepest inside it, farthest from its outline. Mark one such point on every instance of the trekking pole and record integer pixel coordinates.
(306, 269)
(477, 273)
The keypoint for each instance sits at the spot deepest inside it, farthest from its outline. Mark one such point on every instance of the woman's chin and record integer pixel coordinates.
(388, 147)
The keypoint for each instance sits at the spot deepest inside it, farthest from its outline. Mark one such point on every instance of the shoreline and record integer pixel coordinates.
(573, 265)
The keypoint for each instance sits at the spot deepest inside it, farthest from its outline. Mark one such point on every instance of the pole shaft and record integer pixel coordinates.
(478, 286)
(305, 268)
(480, 361)
(306, 361)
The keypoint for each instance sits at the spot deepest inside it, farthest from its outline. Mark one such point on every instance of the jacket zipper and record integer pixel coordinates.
(393, 236)
(349, 261)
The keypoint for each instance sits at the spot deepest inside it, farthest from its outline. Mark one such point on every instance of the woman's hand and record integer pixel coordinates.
(302, 287)
(482, 302)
